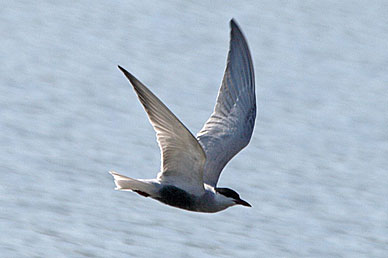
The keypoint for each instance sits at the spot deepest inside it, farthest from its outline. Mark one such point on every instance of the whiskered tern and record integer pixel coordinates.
(191, 166)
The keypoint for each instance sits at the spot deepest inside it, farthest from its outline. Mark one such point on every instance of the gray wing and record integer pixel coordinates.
(229, 128)
(182, 157)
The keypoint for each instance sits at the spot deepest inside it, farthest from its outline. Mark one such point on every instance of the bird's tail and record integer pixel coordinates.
(125, 183)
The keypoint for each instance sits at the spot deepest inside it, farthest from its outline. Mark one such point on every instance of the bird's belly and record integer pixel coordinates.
(177, 197)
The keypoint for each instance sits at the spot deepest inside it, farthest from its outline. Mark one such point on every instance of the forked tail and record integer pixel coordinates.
(125, 183)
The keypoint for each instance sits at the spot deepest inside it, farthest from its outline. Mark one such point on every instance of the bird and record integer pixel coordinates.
(191, 166)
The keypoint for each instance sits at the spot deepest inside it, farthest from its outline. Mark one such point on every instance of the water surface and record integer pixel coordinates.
(315, 170)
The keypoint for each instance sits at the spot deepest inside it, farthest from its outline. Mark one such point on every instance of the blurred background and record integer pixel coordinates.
(315, 170)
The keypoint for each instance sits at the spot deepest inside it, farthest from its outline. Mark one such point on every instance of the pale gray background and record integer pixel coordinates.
(315, 170)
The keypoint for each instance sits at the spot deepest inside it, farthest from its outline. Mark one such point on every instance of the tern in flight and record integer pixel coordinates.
(191, 166)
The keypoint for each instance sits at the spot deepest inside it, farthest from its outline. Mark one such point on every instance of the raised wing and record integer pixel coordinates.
(229, 128)
(182, 157)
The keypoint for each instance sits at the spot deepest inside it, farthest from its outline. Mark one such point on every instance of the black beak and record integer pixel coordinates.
(242, 202)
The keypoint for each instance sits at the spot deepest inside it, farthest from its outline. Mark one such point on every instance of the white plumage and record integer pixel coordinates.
(190, 167)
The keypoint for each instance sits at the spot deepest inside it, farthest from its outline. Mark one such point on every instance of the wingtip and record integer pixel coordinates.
(122, 69)
(127, 74)
(235, 28)
(233, 24)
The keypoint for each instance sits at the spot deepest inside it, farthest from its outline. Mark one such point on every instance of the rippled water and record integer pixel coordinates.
(315, 170)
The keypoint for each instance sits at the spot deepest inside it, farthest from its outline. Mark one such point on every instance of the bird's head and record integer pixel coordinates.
(232, 196)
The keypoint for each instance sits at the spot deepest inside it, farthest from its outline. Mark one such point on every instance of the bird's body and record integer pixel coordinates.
(191, 166)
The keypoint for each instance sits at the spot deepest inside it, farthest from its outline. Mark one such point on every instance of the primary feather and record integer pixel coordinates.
(182, 157)
(229, 128)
